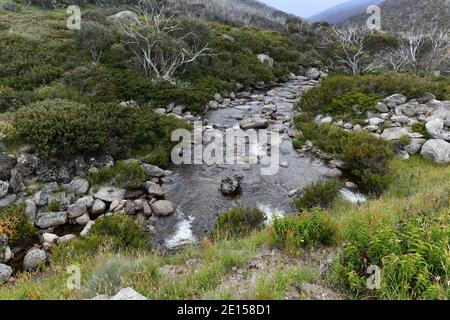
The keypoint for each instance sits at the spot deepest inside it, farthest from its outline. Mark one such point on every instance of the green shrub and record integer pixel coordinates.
(334, 86)
(123, 174)
(405, 140)
(366, 157)
(64, 128)
(15, 225)
(124, 232)
(351, 105)
(419, 127)
(412, 254)
(320, 194)
(239, 221)
(307, 229)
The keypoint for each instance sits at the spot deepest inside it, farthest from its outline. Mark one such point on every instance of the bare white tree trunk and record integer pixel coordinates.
(350, 42)
(158, 42)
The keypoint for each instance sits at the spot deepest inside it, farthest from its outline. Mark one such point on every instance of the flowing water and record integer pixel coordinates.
(195, 189)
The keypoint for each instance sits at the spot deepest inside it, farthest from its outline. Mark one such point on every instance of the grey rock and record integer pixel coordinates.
(437, 150)
(49, 237)
(98, 207)
(375, 121)
(78, 186)
(254, 123)
(7, 163)
(228, 38)
(333, 173)
(162, 208)
(415, 145)
(396, 99)
(33, 259)
(76, 210)
(83, 220)
(5, 273)
(7, 200)
(400, 119)
(30, 209)
(124, 16)
(382, 107)
(41, 198)
(326, 120)
(27, 164)
(87, 228)
(110, 194)
(87, 201)
(395, 133)
(313, 74)
(154, 189)
(66, 238)
(51, 219)
(4, 187)
(435, 128)
(16, 181)
(231, 186)
(152, 171)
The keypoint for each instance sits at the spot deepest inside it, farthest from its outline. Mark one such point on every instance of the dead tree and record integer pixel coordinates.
(350, 47)
(159, 43)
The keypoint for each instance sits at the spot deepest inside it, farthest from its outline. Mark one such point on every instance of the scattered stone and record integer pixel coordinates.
(87, 228)
(293, 192)
(5, 273)
(33, 259)
(109, 194)
(351, 186)
(437, 150)
(333, 173)
(7, 200)
(16, 181)
(78, 186)
(313, 74)
(30, 209)
(98, 207)
(123, 294)
(4, 187)
(395, 133)
(231, 186)
(154, 189)
(152, 171)
(162, 208)
(51, 219)
(49, 237)
(126, 15)
(395, 99)
(254, 123)
(66, 238)
(41, 198)
(415, 145)
(326, 120)
(76, 210)
(435, 128)
(83, 220)
(26, 164)
(382, 107)
(87, 201)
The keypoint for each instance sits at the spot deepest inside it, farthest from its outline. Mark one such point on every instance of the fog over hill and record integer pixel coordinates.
(343, 11)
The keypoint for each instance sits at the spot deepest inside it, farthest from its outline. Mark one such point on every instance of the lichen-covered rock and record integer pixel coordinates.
(5, 273)
(437, 150)
(110, 194)
(78, 186)
(162, 208)
(33, 259)
(51, 219)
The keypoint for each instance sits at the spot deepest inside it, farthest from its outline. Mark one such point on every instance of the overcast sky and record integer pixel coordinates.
(303, 8)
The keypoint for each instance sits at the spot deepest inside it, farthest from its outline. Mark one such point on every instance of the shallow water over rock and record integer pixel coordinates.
(195, 189)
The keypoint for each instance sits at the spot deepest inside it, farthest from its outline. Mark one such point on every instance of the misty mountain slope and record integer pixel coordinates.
(343, 11)
(234, 12)
(402, 15)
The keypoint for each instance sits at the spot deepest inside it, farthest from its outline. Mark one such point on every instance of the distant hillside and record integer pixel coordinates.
(234, 12)
(344, 11)
(402, 15)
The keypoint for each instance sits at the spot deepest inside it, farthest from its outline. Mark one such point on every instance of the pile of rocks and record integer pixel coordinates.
(395, 118)
(78, 208)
